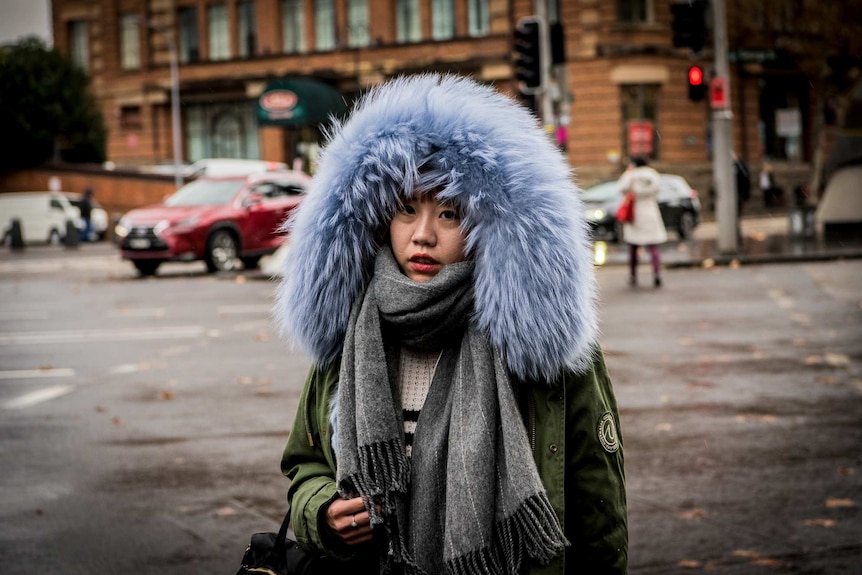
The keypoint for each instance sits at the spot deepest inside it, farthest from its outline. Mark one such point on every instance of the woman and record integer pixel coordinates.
(647, 229)
(459, 417)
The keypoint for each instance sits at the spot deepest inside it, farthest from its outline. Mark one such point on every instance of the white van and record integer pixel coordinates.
(222, 167)
(43, 216)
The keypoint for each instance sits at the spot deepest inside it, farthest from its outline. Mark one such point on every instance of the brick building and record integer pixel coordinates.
(622, 79)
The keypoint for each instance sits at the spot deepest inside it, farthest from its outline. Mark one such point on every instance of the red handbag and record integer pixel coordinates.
(626, 211)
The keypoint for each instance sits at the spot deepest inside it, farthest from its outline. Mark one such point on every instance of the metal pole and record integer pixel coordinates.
(175, 110)
(544, 97)
(722, 129)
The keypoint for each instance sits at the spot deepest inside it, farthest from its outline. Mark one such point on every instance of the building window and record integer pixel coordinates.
(130, 118)
(293, 26)
(219, 38)
(640, 119)
(553, 11)
(442, 19)
(187, 20)
(222, 130)
(407, 21)
(246, 29)
(130, 42)
(634, 11)
(79, 44)
(479, 17)
(357, 23)
(324, 24)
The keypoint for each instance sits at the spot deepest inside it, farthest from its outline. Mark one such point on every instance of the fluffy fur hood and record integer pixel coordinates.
(534, 279)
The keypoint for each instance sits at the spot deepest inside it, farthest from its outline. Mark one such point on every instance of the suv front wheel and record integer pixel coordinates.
(222, 252)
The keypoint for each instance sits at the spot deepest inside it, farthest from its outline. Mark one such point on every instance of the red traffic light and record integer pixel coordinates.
(695, 76)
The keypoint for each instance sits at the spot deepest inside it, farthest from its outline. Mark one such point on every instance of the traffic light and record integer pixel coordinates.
(688, 21)
(528, 54)
(696, 84)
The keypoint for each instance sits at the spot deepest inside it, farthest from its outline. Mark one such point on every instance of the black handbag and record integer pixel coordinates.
(275, 554)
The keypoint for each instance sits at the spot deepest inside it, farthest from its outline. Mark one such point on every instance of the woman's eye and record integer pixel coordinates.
(449, 215)
(407, 209)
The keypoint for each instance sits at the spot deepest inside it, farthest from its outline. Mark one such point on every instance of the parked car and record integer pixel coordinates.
(98, 215)
(677, 201)
(222, 221)
(43, 216)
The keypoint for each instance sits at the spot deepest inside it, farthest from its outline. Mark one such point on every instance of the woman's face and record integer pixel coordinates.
(425, 236)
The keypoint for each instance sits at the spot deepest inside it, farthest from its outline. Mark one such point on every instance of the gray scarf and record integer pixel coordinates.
(471, 500)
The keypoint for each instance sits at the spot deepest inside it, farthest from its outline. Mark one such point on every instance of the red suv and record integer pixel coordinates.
(222, 221)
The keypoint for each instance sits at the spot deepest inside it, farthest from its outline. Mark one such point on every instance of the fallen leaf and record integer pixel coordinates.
(46, 367)
(759, 418)
(167, 395)
(768, 562)
(745, 553)
(825, 379)
(264, 381)
(813, 360)
(240, 279)
(244, 380)
(834, 502)
(226, 511)
(664, 427)
(116, 421)
(819, 522)
(664, 399)
(708, 263)
(837, 359)
(40, 511)
(734, 264)
(845, 471)
(263, 336)
(690, 563)
(101, 409)
(695, 513)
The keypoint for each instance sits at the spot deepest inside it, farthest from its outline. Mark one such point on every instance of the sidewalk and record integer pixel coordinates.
(765, 240)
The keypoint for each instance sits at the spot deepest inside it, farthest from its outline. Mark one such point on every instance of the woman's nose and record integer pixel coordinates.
(424, 232)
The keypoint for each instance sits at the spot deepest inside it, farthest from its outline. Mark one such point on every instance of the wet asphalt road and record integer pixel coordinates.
(142, 421)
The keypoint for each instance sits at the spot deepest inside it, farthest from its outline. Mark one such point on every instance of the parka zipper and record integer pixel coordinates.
(531, 417)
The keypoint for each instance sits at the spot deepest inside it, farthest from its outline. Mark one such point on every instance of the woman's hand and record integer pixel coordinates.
(348, 520)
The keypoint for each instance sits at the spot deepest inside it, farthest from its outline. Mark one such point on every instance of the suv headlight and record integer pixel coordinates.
(595, 215)
(121, 230)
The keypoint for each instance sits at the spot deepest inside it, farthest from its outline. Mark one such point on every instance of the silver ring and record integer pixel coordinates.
(354, 524)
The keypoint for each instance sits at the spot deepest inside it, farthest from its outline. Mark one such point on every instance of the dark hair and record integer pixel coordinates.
(639, 161)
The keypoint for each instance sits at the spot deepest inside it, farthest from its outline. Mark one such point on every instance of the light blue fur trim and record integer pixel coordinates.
(535, 285)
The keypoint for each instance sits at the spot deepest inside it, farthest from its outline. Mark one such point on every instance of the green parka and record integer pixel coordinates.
(574, 433)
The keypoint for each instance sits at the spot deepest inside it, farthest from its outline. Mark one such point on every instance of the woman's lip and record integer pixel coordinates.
(423, 259)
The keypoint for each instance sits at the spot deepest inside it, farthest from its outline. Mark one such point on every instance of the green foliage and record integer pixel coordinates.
(46, 105)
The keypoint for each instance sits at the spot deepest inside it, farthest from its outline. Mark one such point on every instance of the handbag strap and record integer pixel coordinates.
(281, 538)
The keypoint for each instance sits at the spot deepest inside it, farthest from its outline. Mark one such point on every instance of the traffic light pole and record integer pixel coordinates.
(722, 133)
(544, 96)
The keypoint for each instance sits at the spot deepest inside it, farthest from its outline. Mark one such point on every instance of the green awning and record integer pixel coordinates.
(298, 102)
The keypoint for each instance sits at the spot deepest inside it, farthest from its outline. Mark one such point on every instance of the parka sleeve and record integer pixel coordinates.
(596, 514)
(308, 463)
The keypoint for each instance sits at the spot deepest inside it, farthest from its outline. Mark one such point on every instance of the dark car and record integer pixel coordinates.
(677, 201)
(222, 221)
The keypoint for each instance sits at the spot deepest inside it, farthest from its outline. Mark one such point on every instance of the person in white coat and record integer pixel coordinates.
(647, 229)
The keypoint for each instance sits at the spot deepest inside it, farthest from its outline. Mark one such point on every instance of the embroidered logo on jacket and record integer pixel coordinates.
(607, 430)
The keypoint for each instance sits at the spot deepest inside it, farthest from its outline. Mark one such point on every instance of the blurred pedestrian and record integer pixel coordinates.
(743, 190)
(459, 417)
(647, 229)
(86, 209)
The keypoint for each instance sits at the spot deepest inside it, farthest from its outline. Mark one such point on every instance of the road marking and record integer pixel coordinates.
(36, 373)
(22, 315)
(142, 312)
(93, 335)
(38, 396)
(243, 309)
